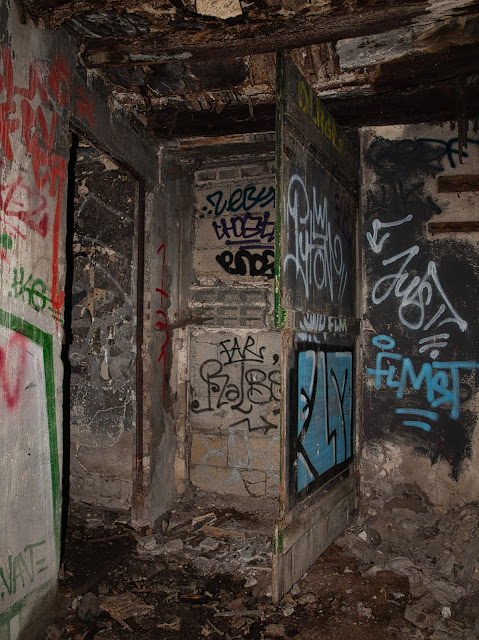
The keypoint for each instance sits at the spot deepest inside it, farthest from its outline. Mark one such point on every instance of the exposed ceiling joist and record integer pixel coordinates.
(207, 67)
(210, 42)
(422, 104)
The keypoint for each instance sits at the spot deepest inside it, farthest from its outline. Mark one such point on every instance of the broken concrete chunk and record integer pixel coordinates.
(308, 598)
(274, 631)
(174, 546)
(423, 612)
(147, 543)
(365, 612)
(222, 9)
(209, 544)
(287, 608)
(250, 582)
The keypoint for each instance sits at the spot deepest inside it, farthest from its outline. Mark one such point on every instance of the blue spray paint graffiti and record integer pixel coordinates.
(439, 380)
(421, 295)
(324, 415)
(449, 149)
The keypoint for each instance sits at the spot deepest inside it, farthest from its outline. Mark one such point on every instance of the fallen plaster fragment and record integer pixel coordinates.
(222, 9)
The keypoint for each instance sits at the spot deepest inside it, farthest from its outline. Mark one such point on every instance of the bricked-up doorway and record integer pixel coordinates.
(216, 352)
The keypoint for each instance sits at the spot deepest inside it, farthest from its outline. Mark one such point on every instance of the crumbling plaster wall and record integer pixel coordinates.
(43, 94)
(420, 305)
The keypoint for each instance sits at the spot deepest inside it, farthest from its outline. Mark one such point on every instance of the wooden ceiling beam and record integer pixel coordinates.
(210, 41)
(423, 104)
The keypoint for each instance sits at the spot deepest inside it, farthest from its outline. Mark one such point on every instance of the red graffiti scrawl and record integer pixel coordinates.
(13, 360)
(18, 200)
(34, 112)
(162, 323)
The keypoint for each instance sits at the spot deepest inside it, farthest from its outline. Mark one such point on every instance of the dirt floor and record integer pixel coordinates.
(207, 574)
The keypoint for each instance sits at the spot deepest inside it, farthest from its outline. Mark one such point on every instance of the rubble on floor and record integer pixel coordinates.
(401, 571)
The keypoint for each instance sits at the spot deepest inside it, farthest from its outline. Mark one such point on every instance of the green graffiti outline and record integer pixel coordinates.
(45, 341)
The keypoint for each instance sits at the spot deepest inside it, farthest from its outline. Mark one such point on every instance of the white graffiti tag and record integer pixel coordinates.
(417, 294)
(318, 256)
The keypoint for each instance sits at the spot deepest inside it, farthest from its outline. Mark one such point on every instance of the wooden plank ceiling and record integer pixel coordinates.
(207, 67)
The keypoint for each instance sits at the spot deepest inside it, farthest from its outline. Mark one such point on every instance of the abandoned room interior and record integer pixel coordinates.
(238, 319)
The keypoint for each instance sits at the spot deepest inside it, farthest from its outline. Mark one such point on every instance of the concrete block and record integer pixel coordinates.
(218, 480)
(115, 461)
(254, 482)
(228, 173)
(248, 451)
(205, 175)
(249, 171)
(209, 450)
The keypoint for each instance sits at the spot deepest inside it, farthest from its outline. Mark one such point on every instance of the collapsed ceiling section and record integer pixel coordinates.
(207, 67)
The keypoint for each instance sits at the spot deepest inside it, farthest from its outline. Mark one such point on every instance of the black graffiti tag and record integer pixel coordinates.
(255, 387)
(258, 264)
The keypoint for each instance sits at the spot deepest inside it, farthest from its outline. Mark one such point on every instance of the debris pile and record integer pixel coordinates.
(438, 552)
(401, 571)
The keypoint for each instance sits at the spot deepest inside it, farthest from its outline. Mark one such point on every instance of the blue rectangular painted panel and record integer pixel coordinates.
(324, 415)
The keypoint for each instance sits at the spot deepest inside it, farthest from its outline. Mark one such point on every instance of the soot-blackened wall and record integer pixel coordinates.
(420, 311)
(102, 353)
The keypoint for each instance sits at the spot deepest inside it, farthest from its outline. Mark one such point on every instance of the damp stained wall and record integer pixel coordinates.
(102, 352)
(420, 304)
(42, 95)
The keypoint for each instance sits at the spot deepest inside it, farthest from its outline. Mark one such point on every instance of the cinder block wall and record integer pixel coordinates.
(234, 353)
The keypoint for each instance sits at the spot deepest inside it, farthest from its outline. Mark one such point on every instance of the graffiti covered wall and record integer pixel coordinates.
(33, 175)
(234, 355)
(421, 305)
(42, 93)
